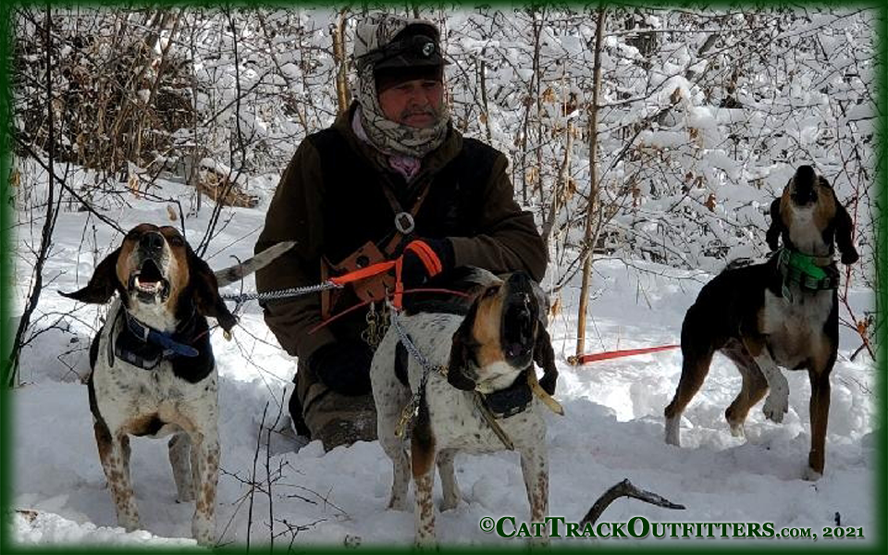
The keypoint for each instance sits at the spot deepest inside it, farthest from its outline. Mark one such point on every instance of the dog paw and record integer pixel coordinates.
(185, 498)
(811, 475)
(737, 429)
(673, 430)
(425, 542)
(776, 406)
(397, 504)
(449, 504)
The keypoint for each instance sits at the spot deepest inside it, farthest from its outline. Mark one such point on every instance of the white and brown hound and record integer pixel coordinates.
(153, 372)
(783, 312)
(487, 343)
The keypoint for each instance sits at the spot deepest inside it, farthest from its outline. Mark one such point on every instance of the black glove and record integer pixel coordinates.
(425, 258)
(343, 366)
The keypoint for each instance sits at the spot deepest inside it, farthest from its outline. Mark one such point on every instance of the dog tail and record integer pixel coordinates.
(237, 272)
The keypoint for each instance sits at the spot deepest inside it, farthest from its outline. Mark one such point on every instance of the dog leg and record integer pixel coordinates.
(755, 385)
(394, 448)
(777, 402)
(180, 461)
(422, 458)
(535, 469)
(448, 480)
(694, 369)
(819, 408)
(205, 451)
(114, 453)
(390, 397)
(424, 514)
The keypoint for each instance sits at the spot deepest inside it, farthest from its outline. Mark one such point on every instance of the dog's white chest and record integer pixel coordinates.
(124, 392)
(457, 423)
(793, 328)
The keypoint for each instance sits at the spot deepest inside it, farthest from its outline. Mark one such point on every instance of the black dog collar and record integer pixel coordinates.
(510, 401)
(144, 346)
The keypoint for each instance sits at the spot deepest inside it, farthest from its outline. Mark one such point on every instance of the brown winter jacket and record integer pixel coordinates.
(334, 219)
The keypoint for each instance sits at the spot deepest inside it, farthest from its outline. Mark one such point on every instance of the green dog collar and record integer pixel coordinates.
(803, 269)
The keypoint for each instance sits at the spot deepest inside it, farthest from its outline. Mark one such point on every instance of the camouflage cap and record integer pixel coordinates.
(390, 41)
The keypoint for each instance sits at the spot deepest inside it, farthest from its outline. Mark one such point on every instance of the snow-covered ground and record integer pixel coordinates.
(612, 429)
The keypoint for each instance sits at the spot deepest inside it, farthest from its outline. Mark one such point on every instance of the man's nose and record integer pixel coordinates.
(417, 97)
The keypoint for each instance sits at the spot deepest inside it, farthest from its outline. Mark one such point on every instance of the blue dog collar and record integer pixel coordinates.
(165, 340)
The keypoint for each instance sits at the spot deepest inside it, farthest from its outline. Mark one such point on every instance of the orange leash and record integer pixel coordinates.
(607, 355)
(352, 308)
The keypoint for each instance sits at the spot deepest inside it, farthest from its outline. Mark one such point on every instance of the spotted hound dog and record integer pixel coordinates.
(153, 371)
(781, 313)
(478, 393)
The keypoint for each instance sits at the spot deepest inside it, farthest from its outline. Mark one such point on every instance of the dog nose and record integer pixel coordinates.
(151, 242)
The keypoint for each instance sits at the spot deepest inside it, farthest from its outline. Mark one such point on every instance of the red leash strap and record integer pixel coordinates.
(404, 292)
(607, 355)
(363, 273)
(372, 270)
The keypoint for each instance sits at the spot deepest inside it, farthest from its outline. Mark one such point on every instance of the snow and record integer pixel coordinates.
(805, 95)
(612, 429)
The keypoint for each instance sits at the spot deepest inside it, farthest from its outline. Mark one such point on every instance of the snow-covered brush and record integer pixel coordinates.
(625, 489)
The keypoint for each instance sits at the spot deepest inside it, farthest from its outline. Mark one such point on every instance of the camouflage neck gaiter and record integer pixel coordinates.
(390, 136)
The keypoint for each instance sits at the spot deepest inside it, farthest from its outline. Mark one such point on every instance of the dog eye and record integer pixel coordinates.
(176, 241)
(491, 291)
(133, 234)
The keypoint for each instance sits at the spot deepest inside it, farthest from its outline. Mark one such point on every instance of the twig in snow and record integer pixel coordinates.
(625, 489)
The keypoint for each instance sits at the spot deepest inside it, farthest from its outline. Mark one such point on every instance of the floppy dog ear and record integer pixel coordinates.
(777, 226)
(544, 356)
(460, 356)
(102, 284)
(844, 235)
(205, 290)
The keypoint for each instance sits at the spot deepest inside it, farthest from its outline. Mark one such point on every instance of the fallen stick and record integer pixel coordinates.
(625, 489)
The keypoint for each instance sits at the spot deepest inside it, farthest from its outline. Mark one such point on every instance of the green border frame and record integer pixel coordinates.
(881, 391)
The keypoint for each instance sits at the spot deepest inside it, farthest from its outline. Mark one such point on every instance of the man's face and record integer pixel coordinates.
(416, 103)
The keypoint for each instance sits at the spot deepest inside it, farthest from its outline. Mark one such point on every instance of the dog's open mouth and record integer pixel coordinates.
(518, 329)
(148, 283)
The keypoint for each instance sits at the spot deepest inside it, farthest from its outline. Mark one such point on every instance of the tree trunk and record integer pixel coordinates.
(341, 57)
(592, 208)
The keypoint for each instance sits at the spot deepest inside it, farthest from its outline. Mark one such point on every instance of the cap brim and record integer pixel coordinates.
(403, 62)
